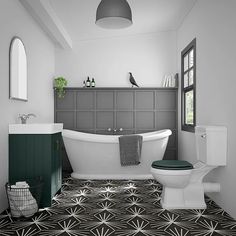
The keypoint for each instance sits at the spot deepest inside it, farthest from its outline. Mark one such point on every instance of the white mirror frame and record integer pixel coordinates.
(18, 70)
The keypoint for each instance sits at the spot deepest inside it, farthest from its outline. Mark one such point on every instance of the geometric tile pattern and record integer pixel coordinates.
(117, 208)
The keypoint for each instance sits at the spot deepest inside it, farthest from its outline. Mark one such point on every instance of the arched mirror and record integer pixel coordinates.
(18, 70)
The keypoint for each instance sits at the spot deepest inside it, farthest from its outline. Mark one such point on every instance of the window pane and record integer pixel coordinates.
(189, 107)
(188, 77)
(191, 58)
(191, 77)
(186, 62)
(186, 80)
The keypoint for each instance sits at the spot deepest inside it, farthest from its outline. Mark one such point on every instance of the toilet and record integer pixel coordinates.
(183, 186)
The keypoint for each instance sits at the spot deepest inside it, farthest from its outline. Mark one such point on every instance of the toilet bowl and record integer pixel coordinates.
(183, 186)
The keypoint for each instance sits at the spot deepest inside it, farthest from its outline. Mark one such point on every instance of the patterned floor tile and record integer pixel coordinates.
(117, 208)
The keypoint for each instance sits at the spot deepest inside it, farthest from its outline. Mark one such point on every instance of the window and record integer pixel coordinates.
(188, 86)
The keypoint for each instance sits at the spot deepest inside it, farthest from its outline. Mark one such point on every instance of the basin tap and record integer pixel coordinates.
(24, 117)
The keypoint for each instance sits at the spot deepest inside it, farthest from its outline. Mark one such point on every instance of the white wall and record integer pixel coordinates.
(213, 23)
(15, 21)
(109, 60)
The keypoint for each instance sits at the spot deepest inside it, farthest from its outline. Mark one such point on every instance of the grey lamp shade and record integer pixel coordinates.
(114, 14)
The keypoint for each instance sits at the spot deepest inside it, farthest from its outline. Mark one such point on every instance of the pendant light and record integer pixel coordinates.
(114, 14)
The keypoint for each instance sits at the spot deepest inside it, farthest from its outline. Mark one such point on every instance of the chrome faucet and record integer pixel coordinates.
(24, 117)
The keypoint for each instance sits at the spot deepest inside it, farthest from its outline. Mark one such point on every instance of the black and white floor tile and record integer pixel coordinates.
(117, 208)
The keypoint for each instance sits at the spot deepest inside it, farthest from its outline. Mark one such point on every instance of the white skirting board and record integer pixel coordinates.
(81, 176)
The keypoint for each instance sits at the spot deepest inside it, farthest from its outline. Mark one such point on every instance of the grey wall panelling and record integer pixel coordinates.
(120, 111)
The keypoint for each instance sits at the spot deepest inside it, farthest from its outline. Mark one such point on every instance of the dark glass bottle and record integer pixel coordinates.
(88, 84)
(93, 83)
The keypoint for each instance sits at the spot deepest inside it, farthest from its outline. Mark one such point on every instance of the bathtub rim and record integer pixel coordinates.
(101, 138)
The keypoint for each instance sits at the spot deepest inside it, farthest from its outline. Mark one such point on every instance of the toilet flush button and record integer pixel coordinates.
(199, 165)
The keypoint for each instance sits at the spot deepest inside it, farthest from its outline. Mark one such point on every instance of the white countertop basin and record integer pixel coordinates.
(43, 128)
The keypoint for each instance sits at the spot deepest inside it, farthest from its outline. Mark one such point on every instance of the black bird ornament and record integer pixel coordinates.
(132, 80)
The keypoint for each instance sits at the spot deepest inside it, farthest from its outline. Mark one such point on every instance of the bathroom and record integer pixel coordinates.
(68, 43)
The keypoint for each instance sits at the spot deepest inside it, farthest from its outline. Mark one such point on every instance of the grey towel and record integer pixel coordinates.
(130, 149)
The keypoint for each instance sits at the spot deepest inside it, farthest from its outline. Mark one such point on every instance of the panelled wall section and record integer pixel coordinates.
(120, 111)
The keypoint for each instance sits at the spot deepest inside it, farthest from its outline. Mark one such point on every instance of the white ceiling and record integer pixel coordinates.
(149, 16)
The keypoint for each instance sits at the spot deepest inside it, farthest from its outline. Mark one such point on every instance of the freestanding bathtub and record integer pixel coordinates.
(94, 156)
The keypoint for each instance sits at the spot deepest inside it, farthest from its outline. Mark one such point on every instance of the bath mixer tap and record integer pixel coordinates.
(24, 117)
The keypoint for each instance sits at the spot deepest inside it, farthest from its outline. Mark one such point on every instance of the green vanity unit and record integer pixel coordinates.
(35, 151)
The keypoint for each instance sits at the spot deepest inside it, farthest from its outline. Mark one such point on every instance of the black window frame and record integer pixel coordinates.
(191, 46)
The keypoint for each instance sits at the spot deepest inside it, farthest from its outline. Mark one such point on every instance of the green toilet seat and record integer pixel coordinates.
(172, 165)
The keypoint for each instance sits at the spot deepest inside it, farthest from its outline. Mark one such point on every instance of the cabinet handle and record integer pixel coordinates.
(121, 129)
(109, 129)
(114, 130)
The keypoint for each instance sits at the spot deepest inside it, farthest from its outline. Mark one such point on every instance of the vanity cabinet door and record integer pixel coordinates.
(33, 156)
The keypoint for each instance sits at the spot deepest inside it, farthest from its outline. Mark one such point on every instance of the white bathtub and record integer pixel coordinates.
(94, 156)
